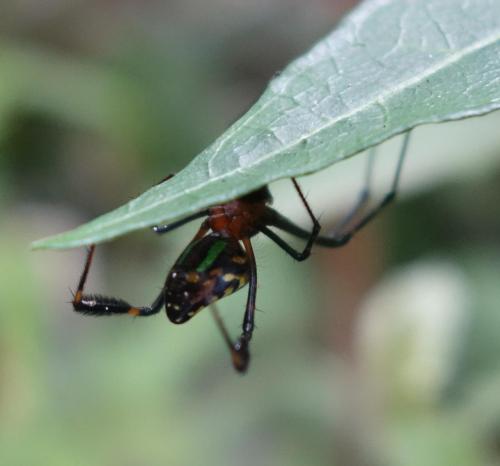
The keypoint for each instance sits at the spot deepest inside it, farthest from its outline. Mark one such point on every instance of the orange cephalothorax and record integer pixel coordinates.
(241, 217)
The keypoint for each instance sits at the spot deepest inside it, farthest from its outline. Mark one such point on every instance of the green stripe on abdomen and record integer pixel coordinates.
(212, 255)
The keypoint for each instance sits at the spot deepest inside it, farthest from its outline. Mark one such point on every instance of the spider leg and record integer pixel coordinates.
(103, 305)
(239, 349)
(239, 358)
(364, 195)
(202, 231)
(311, 237)
(166, 178)
(161, 229)
(98, 305)
(221, 326)
(340, 239)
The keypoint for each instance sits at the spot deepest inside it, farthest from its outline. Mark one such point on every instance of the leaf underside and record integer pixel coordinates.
(390, 65)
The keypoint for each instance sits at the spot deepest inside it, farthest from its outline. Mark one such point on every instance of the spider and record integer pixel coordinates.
(220, 259)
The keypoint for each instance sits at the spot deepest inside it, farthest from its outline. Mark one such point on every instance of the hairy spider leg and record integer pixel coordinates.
(336, 239)
(311, 237)
(98, 305)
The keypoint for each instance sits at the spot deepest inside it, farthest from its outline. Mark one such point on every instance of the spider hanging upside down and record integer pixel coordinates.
(220, 260)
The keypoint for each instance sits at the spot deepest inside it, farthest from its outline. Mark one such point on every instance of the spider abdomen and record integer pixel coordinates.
(207, 270)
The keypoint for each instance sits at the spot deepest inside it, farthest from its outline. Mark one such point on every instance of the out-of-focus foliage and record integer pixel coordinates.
(382, 353)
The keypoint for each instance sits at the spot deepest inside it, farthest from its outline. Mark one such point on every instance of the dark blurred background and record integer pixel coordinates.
(383, 353)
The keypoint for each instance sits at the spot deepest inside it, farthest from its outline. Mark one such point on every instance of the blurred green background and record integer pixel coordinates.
(383, 353)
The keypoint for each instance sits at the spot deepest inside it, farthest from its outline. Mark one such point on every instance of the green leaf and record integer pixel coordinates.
(390, 65)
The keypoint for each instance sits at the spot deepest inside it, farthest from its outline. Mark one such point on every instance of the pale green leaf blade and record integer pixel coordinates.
(390, 65)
